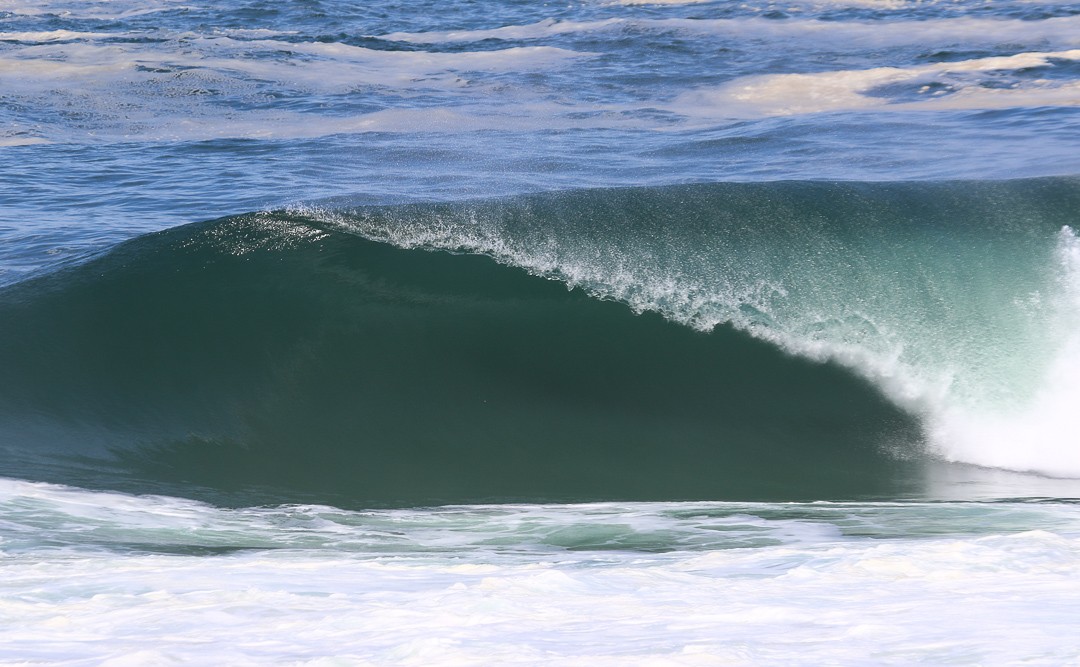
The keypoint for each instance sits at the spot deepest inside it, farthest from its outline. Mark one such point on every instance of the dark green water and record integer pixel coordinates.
(277, 357)
(343, 367)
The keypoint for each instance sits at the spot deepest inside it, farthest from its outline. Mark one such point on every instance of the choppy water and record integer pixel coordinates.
(476, 332)
(163, 581)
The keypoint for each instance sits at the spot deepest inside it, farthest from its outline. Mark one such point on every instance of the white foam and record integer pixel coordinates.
(1039, 434)
(109, 84)
(1015, 431)
(848, 90)
(839, 583)
(269, 125)
(545, 28)
(341, 66)
(102, 10)
(172, 89)
(835, 36)
(22, 141)
(52, 36)
(970, 415)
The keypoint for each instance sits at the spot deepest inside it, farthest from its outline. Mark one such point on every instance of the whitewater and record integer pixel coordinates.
(683, 332)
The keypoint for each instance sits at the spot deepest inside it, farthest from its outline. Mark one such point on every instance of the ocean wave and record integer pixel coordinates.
(283, 350)
(841, 36)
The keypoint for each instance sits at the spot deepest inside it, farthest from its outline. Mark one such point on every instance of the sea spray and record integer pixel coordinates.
(952, 298)
(1036, 434)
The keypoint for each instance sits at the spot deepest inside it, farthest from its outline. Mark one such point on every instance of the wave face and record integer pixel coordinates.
(332, 354)
(960, 301)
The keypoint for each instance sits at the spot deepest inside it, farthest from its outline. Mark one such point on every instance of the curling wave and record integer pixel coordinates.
(330, 353)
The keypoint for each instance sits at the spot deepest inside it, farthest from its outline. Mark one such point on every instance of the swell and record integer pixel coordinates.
(281, 358)
(782, 341)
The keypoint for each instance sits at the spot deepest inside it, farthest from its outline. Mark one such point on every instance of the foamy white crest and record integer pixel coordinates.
(102, 10)
(252, 33)
(545, 28)
(837, 36)
(791, 94)
(22, 141)
(107, 10)
(1039, 435)
(1031, 434)
(341, 66)
(51, 36)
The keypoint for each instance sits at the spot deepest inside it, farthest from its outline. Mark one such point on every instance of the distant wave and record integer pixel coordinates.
(840, 35)
(965, 84)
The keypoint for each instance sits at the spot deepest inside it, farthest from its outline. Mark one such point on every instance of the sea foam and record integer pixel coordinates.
(740, 583)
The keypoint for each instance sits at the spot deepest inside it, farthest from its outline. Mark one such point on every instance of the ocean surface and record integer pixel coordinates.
(484, 332)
